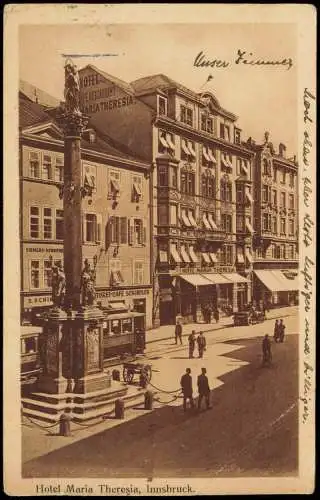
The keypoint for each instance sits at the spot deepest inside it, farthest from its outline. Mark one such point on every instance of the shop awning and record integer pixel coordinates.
(212, 222)
(191, 219)
(205, 257)
(269, 280)
(236, 278)
(174, 254)
(196, 279)
(169, 141)
(184, 255)
(217, 279)
(287, 285)
(213, 257)
(185, 218)
(249, 197)
(192, 254)
(206, 222)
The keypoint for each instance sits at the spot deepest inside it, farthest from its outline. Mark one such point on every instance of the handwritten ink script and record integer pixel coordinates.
(308, 265)
(242, 58)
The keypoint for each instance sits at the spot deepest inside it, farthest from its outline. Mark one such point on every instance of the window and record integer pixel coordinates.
(114, 183)
(136, 188)
(274, 226)
(266, 193)
(47, 274)
(274, 197)
(89, 176)
(237, 137)
(225, 191)
(282, 252)
(186, 115)
(239, 194)
(163, 176)
(173, 215)
(274, 174)
(47, 167)
(240, 223)
(187, 183)
(283, 176)
(225, 131)
(283, 200)
(118, 230)
(228, 188)
(266, 222)
(58, 170)
(291, 180)
(116, 278)
(34, 222)
(174, 177)
(34, 164)
(283, 226)
(138, 277)
(291, 201)
(206, 124)
(47, 223)
(226, 255)
(35, 274)
(208, 186)
(59, 225)
(226, 223)
(291, 252)
(137, 232)
(291, 227)
(92, 228)
(162, 105)
(163, 215)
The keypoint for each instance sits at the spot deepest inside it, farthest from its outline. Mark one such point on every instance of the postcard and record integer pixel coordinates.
(159, 249)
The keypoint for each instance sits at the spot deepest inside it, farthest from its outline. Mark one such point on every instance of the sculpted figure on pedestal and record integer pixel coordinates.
(88, 277)
(58, 283)
(72, 88)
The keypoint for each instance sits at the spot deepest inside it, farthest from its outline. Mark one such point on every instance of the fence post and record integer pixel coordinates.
(119, 409)
(148, 400)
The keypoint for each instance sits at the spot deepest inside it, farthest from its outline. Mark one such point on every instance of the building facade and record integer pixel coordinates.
(116, 233)
(202, 215)
(275, 244)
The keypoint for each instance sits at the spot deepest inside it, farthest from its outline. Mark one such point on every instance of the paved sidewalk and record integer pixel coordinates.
(166, 332)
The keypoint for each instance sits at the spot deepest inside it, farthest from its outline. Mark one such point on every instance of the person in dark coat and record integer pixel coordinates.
(178, 332)
(192, 343)
(276, 331)
(281, 330)
(216, 315)
(203, 388)
(202, 343)
(266, 349)
(186, 386)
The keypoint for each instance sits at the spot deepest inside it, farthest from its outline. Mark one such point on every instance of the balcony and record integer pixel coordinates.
(214, 235)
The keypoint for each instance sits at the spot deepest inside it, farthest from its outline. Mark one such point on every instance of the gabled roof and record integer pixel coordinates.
(37, 95)
(116, 81)
(30, 113)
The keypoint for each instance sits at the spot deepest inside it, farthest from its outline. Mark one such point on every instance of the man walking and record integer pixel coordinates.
(192, 343)
(203, 389)
(178, 332)
(202, 343)
(281, 330)
(186, 385)
(266, 350)
(276, 331)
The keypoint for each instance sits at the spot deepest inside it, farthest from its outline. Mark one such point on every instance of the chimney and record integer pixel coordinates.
(282, 150)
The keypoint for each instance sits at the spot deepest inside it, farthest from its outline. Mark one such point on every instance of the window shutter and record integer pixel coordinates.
(98, 227)
(123, 230)
(144, 234)
(109, 232)
(118, 230)
(84, 229)
(130, 231)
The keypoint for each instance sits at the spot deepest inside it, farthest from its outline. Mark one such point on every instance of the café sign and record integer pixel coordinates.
(121, 293)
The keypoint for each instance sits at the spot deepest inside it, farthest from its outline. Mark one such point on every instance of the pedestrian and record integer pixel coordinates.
(203, 389)
(209, 314)
(202, 344)
(192, 343)
(281, 330)
(216, 315)
(276, 331)
(186, 386)
(266, 350)
(178, 332)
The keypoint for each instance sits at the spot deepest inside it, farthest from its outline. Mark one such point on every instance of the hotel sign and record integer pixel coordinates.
(97, 94)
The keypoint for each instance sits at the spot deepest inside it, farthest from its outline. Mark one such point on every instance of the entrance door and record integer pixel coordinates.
(139, 305)
(166, 312)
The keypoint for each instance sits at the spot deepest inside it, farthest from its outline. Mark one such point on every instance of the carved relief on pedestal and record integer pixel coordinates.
(52, 352)
(93, 348)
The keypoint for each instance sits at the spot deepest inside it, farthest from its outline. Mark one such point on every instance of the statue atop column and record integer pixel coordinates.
(72, 88)
(58, 283)
(88, 278)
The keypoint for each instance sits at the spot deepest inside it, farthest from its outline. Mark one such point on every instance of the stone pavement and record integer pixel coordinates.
(166, 332)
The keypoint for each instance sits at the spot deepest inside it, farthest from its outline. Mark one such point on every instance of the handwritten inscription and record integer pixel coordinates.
(308, 266)
(242, 57)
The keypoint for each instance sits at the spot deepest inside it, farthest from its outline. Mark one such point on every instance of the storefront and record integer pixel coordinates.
(276, 288)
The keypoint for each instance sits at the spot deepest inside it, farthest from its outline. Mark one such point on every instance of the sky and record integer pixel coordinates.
(263, 97)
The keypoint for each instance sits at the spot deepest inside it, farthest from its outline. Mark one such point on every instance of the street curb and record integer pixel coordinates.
(214, 329)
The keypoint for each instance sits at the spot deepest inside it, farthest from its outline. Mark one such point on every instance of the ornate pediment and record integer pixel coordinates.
(47, 130)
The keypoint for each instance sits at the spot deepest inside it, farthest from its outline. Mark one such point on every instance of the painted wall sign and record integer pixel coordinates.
(121, 293)
(44, 250)
(37, 300)
(108, 105)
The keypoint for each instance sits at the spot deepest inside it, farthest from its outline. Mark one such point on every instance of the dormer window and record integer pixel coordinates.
(206, 123)
(162, 105)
